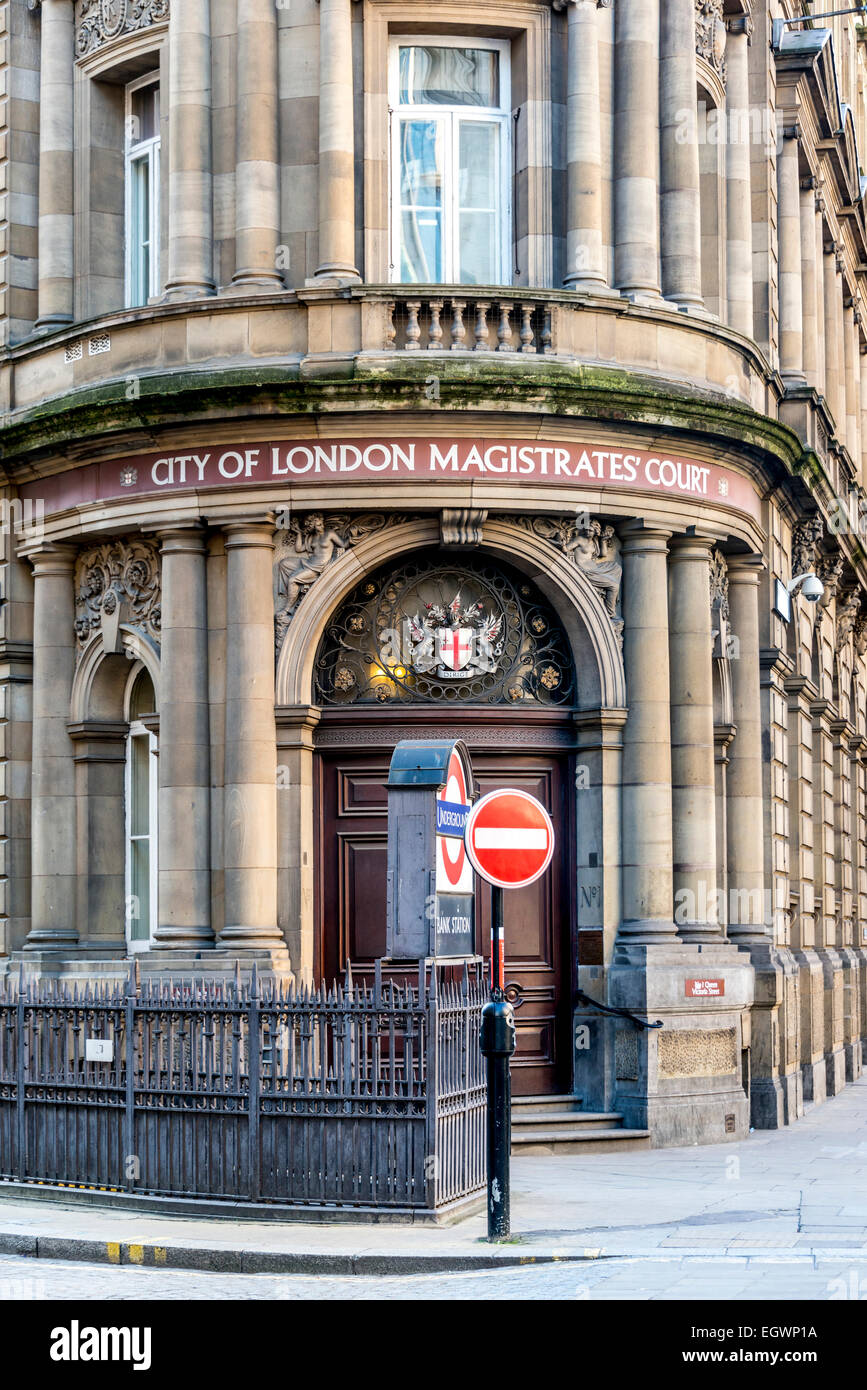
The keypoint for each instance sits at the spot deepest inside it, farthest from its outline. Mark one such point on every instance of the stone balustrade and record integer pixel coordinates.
(459, 323)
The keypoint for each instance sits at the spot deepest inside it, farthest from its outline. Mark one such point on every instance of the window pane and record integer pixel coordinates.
(479, 144)
(449, 76)
(145, 103)
(421, 202)
(139, 811)
(140, 886)
(479, 249)
(478, 196)
(139, 230)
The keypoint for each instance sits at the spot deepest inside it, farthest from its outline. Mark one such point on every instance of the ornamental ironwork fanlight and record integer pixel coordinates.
(429, 631)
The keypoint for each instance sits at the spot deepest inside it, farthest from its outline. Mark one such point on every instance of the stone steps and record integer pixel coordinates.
(558, 1125)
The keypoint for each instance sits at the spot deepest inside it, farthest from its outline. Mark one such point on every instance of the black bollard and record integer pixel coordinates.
(497, 1040)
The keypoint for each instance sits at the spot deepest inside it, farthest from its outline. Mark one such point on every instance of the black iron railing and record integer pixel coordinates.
(366, 1095)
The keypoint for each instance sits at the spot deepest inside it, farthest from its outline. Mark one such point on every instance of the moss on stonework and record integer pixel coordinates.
(436, 387)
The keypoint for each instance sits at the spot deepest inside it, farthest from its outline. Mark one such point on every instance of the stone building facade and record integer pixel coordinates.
(391, 368)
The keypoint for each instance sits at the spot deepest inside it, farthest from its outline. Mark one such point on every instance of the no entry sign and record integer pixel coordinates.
(509, 838)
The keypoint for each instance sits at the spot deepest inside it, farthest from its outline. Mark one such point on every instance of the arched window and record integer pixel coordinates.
(429, 630)
(140, 800)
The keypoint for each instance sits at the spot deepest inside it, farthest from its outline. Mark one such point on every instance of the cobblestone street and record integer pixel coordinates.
(653, 1278)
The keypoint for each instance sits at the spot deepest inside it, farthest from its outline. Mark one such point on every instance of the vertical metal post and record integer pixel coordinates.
(132, 1170)
(20, 1076)
(432, 1154)
(497, 1041)
(254, 1086)
(497, 947)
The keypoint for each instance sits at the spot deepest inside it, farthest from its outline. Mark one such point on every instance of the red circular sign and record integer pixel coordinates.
(452, 848)
(509, 838)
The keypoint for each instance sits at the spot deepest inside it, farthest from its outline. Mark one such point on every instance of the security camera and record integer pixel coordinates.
(810, 586)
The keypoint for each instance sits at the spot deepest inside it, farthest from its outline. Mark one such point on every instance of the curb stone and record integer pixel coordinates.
(342, 1265)
(261, 1261)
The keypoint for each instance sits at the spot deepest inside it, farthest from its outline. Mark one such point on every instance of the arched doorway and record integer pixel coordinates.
(470, 648)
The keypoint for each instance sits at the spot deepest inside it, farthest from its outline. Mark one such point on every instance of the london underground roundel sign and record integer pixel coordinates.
(509, 838)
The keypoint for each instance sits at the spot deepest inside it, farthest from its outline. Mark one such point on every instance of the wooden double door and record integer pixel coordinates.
(351, 811)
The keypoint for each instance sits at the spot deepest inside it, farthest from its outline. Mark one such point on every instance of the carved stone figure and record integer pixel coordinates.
(310, 544)
(848, 605)
(314, 546)
(829, 570)
(118, 583)
(805, 543)
(590, 546)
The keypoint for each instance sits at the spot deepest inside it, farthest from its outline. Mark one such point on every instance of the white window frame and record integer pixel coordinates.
(427, 111)
(139, 730)
(134, 151)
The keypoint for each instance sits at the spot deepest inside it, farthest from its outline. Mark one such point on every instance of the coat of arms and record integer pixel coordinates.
(454, 641)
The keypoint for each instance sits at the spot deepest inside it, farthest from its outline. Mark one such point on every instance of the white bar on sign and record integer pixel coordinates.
(509, 837)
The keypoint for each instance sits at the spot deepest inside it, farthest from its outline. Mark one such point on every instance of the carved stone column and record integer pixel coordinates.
(336, 143)
(680, 195)
(184, 896)
(295, 834)
(53, 820)
(818, 220)
(257, 172)
(57, 54)
(636, 147)
(739, 210)
(852, 362)
(810, 275)
(250, 832)
(190, 253)
(585, 256)
(744, 805)
(693, 773)
(833, 332)
(648, 911)
(789, 232)
(862, 461)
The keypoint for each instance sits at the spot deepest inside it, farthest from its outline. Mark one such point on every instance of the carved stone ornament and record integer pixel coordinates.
(805, 543)
(592, 547)
(100, 21)
(719, 601)
(430, 628)
(461, 529)
(117, 584)
(710, 34)
(304, 548)
(848, 606)
(861, 635)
